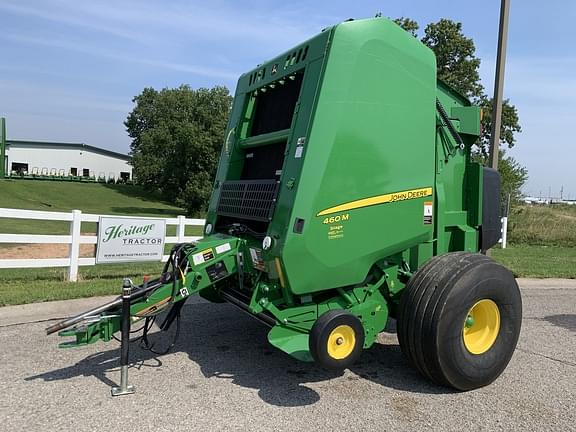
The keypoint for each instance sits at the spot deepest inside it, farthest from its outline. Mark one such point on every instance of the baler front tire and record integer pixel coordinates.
(459, 320)
(336, 340)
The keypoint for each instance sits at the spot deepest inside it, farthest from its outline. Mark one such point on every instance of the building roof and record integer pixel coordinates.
(61, 145)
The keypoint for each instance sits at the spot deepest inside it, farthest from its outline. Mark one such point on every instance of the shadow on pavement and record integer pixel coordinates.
(228, 344)
(99, 364)
(567, 321)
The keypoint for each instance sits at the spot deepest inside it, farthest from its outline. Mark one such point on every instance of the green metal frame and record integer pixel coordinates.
(379, 181)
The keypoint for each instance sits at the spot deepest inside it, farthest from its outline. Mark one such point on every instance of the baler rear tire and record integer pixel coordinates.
(436, 314)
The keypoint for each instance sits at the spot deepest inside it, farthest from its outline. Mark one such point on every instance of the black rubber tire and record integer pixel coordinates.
(434, 308)
(318, 339)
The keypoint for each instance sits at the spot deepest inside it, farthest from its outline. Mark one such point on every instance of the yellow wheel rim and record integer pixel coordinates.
(481, 326)
(341, 342)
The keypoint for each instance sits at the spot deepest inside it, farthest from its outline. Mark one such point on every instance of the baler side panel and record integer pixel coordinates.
(372, 135)
(301, 59)
(281, 223)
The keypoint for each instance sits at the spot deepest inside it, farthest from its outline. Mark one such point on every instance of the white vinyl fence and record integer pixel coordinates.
(75, 238)
(504, 238)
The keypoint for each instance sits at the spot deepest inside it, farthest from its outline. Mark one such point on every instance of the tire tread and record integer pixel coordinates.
(421, 308)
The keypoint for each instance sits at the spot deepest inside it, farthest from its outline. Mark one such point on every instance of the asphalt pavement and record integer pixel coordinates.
(223, 375)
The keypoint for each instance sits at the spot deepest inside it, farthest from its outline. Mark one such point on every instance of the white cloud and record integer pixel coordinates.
(51, 11)
(94, 51)
(16, 95)
(199, 21)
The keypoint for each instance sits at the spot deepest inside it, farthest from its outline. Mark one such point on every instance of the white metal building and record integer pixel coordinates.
(65, 159)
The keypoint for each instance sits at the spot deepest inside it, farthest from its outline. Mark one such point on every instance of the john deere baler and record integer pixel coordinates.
(346, 195)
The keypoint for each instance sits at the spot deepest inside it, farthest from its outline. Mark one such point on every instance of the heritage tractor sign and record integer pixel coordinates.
(130, 239)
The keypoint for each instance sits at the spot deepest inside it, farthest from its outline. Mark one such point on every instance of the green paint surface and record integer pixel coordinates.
(371, 183)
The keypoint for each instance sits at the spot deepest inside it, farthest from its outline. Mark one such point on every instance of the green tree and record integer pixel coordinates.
(457, 65)
(513, 175)
(456, 62)
(509, 127)
(176, 140)
(409, 25)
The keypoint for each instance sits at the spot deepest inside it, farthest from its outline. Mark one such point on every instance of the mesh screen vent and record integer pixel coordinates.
(248, 199)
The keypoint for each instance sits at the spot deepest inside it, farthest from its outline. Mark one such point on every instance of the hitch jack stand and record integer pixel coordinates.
(124, 388)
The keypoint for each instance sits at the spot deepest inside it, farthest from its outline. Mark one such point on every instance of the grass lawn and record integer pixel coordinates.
(538, 261)
(543, 238)
(65, 196)
(543, 225)
(19, 286)
(38, 285)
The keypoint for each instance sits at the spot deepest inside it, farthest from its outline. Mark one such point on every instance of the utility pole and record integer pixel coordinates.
(499, 82)
(499, 85)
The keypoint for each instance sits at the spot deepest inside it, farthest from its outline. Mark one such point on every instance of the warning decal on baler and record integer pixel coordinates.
(257, 260)
(379, 199)
(223, 248)
(202, 257)
(428, 209)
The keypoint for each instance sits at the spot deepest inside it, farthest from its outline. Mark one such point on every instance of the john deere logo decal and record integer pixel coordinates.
(379, 199)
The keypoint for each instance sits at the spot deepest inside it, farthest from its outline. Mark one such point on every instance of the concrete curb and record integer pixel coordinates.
(551, 283)
(34, 312)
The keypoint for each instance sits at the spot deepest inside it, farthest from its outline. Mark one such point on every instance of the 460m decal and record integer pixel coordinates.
(337, 218)
(379, 199)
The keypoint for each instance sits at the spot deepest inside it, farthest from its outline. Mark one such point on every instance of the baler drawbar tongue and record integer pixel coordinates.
(95, 313)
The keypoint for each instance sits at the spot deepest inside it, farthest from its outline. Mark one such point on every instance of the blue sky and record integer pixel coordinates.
(70, 68)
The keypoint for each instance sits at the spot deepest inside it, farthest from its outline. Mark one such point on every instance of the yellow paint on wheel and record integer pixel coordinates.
(341, 342)
(481, 326)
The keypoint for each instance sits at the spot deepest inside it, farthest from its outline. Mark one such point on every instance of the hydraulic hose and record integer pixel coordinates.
(139, 292)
